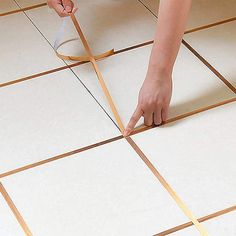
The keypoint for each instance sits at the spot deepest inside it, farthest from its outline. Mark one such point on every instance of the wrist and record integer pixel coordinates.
(159, 73)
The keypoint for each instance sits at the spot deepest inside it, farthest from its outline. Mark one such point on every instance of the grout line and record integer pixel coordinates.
(210, 25)
(202, 59)
(69, 66)
(202, 219)
(40, 74)
(148, 8)
(137, 131)
(166, 185)
(61, 156)
(143, 128)
(15, 210)
(23, 9)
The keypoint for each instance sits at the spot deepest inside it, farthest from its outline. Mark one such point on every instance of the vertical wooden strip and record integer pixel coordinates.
(15, 210)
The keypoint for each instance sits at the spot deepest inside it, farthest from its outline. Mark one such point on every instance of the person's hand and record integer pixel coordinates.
(153, 102)
(62, 7)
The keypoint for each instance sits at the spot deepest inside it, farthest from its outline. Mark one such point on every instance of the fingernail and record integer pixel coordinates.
(68, 9)
(127, 132)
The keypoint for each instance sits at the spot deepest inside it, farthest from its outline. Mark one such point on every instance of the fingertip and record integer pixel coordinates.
(68, 9)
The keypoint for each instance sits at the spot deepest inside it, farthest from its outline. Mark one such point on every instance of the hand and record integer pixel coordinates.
(153, 102)
(62, 7)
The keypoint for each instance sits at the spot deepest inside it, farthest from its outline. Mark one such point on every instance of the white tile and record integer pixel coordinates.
(202, 12)
(23, 50)
(8, 223)
(46, 117)
(104, 191)
(222, 225)
(106, 24)
(196, 155)
(27, 3)
(195, 86)
(7, 5)
(217, 45)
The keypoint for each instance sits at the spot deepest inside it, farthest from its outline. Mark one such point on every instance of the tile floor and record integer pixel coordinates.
(64, 164)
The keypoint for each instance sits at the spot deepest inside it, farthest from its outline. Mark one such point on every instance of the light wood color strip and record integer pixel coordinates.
(58, 157)
(98, 73)
(40, 74)
(130, 141)
(138, 130)
(143, 128)
(23, 9)
(202, 219)
(164, 183)
(201, 58)
(210, 25)
(14, 210)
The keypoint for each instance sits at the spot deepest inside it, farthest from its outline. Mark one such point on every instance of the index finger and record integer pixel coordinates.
(133, 121)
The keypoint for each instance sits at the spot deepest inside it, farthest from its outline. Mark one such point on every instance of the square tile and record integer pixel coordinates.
(106, 24)
(195, 86)
(27, 3)
(103, 191)
(48, 116)
(218, 46)
(23, 50)
(196, 156)
(7, 5)
(202, 12)
(222, 225)
(8, 223)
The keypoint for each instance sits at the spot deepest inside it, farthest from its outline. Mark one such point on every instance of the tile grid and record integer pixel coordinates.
(143, 130)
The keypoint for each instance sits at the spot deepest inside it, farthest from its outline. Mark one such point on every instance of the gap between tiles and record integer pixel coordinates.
(14, 210)
(202, 219)
(23, 9)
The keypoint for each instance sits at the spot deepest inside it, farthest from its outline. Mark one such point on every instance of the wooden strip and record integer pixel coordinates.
(130, 141)
(139, 130)
(15, 210)
(164, 183)
(23, 9)
(182, 116)
(40, 74)
(210, 25)
(221, 77)
(99, 75)
(202, 219)
(58, 157)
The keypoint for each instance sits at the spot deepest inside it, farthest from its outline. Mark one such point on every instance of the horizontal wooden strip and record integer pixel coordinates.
(143, 128)
(23, 9)
(210, 25)
(15, 210)
(64, 155)
(202, 219)
(41, 74)
(139, 130)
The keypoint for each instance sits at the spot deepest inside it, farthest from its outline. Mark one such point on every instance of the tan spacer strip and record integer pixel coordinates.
(202, 219)
(23, 9)
(139, 130)
(99, 75)
(14, 210)
(210, 25)
(81, 58)
(130, 141)
(164, 183)
(202, 59)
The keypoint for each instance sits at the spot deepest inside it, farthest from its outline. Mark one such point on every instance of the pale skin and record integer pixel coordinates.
(155, 93)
